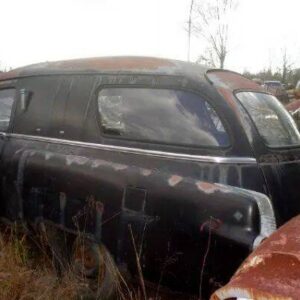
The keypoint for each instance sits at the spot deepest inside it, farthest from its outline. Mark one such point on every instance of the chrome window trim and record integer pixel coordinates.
(139, 151)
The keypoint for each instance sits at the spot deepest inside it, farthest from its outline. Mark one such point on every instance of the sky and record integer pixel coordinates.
(45, 30)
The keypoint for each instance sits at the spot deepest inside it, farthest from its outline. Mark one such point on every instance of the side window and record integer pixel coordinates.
(160, 115)
(6, 104)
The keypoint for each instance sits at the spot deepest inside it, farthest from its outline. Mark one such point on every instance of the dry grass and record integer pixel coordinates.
(29, 274)
(27, 271)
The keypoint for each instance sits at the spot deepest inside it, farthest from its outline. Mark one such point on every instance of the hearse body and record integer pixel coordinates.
(162, 157)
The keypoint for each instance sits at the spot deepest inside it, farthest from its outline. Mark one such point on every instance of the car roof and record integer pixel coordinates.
(113, 65)
(135, 65)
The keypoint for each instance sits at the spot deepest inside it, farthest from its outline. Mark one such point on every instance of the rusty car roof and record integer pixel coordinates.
(136, 65)
(117, 64)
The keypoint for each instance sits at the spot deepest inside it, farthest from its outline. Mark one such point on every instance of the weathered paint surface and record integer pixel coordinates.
(109, 64)
(272, 271)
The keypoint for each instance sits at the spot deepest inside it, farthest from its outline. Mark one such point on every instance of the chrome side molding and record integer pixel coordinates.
(139, 151)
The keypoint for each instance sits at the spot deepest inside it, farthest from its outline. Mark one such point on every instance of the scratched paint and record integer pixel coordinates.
(73, 159)
(48, 155)
(146, 172)
(206, 187)
(174, 180)
(119, 167)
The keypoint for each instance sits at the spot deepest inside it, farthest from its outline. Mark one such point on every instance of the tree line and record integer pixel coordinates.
(209, 20)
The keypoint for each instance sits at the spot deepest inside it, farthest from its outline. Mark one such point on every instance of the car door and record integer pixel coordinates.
(21, 161)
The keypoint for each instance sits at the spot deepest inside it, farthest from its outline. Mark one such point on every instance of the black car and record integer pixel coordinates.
(191, 167)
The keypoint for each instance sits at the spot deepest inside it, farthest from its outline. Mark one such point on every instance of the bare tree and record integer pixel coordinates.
(190, 30)
(286, 66)
(212, 22)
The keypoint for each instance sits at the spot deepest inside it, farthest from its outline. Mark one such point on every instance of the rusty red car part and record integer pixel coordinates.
(272, 271)
(94, 65)
(232, 81)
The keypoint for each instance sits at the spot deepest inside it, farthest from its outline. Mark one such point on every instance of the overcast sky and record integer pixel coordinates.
(39, 30)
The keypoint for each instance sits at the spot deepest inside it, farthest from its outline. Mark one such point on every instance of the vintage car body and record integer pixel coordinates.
(69, 157)
(272, 271)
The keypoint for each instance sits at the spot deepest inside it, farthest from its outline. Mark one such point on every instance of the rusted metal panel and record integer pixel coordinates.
(272, 271)
(226, 83)
(232, 81)
(91, 64)
(10, 75)
(110, 65)
(293, 106)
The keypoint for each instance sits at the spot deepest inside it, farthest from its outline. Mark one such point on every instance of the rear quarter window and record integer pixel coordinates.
(274, 124)
(160, 115)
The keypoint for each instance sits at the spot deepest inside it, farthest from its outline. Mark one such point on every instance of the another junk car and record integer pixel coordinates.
(191, 167)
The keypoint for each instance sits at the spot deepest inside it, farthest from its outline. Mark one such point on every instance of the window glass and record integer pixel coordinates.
(6, 103)
(273, 122)
(160, 115)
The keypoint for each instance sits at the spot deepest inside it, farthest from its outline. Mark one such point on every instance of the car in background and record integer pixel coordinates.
(297, 90)
(277, 89)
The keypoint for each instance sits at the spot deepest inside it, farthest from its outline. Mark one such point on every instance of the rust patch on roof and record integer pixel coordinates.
(229, 98)
(9, 75)
(232, 81)
(272, 271)
(117, 64)
(112, 63)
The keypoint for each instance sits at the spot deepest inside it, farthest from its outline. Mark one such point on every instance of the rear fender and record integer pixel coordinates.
(237, 214)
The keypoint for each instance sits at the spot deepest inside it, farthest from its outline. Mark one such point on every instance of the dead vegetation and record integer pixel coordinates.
(28, 270)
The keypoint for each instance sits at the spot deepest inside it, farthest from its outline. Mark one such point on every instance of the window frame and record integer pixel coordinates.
(13, 108)
(161, 143)
(270, 148)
